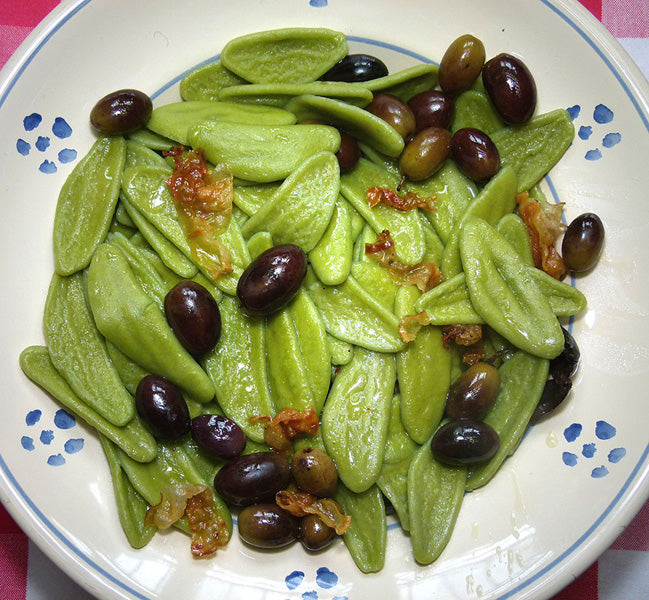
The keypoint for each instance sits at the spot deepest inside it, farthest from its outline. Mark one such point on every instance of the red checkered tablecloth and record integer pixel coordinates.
(621, 573)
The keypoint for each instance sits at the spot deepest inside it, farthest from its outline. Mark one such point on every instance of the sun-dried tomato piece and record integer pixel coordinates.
(207, 527)
(286, 425)
(463, 335)
(389, 197)
(300, 504)
(543, 221)
(204, 203)
(424, 275)
(410, 325)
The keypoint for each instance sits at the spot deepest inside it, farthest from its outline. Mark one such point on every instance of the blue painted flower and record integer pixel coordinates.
(604, 432)
(48, 437)
(325, 580)
(43, 143)
(602, 115)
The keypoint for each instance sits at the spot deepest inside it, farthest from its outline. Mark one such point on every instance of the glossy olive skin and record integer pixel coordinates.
(267, 526)
(461, 64)
(394, 112)
(583, 242)
(121, 112)
(510, 87)
(355, 68)
(194, 317)
(314, 472)
(464, 442)
(349, 153)
(271, 280)
(433, 108)
(218, 436)
(565, 365)
(252, 478)
(475, 153)
(315, 535)
(554, 393)
(425, 153)
(162, 407)
(473, 393)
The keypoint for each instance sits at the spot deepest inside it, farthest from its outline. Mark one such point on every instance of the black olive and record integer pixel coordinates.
(583, 242)
(465, 442)
(162, 407)
(355, 68)
(218, 436)
(121, 112)
(475, 153)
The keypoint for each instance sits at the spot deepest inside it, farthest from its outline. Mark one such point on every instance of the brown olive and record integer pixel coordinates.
(315, 534)
(271, 280)
(121, 112)
(433, 108)
(349, 153)
(194, 317)
(267, 526)
(394, 112)
(465, 442)
(473, 392)
(475, 153)
(510, 87)
(314, 472)
(583, 242)
(461, 64)
(425, 153)
(252, 478)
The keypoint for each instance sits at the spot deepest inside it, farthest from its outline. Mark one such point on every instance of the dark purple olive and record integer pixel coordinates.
(194, 317)
(271, 280)
(475, 153)
(252, 478)
(425, 153)
(554, 393)
(349, 153)
(218, 436)
(394, 112)
(268, 526)
(473, 393)
(315, 535)
(314, 472)
(510, 87)
(583, 242)
(355, 68)
(162, 407)
(464, 442)
(461, 64)
(433, 108)
(121, 112)
(565, 365)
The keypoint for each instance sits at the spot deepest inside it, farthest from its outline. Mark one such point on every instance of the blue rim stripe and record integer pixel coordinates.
(66, 542)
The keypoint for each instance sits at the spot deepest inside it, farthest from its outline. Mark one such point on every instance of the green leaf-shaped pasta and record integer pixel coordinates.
(250, 198)
(86, 204)
(133, 438)
(359, 123)
(393, 482)
(399, 444)
(289, 55)
(504, 294)
(474, 109)
(534, 148)
(404, 226)
(78, 350)
(176, 119)
(356, 417)
(301, 208)
(407, 83)
(423, 372)
(522, 379)
(435, 494)
(207, 81)
(132, 321)
(352, 315)
(237, 367)
(278, 94)
(262, 153)
(514, 230)
(367, 537)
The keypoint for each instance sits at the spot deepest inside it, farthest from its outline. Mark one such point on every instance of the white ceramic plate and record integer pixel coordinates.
(576, 480)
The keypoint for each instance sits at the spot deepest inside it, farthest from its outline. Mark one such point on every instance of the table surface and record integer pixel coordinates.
(621, 573)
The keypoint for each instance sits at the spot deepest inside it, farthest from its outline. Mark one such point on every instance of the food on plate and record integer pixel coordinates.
(313, 286)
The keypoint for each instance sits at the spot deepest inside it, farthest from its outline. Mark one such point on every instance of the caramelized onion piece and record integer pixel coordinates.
(300, 504)
(388, 197)
(286, 425)
(410, 325)
(543, 222)
(207, 527)
(424, 275)
(204, 203)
